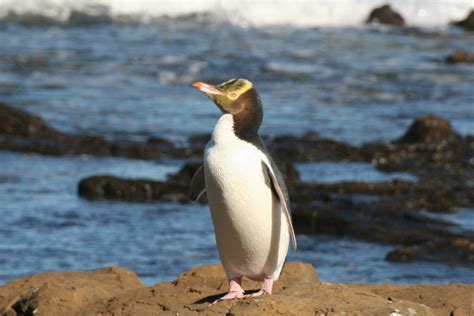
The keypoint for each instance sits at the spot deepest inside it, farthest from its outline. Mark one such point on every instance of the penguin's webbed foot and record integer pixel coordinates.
(266, 288)
(235, 291)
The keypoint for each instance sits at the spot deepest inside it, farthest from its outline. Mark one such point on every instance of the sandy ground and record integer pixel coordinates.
(116, 291)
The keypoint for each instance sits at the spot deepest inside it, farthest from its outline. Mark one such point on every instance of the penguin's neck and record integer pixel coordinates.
(224, 132)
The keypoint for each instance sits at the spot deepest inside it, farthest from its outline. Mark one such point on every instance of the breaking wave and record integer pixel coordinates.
(298, 13)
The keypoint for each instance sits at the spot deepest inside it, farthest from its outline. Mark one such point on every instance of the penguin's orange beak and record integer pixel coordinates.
(208, 89)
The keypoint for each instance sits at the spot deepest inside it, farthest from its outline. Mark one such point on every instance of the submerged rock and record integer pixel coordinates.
(467, 23)
(115, 291)
(460, 56)
(385, 15)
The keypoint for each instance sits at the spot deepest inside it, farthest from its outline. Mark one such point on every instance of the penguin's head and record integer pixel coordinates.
(239, 98)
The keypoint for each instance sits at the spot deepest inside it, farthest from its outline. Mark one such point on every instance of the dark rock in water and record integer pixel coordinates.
(185, 174)
(141, 190)
(460, 56)
(467, 23)
(429, 129)
(24, 132)
(289, 171)
(15, 122)
(453, 250)
(385, 15)
(404, 254)
(101, 15)
(311, 147)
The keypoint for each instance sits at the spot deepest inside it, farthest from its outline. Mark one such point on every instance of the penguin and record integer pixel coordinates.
(247, 195)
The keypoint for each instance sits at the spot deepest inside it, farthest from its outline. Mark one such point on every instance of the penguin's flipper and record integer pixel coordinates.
(198, 185)
(283, 201)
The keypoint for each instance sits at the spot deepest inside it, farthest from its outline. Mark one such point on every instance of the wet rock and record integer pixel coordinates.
(454, 250)
(404, 254)
(460, 56)
(289, 171)
(385, 15)
(312, 147)
(15, 122)
(139, 190)
(115, 291)
(24, 132)
(383, 220)
(185, 174)
(429, 129)
(467, 23)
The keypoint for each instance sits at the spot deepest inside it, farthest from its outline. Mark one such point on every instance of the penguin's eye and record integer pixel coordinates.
(232, 95)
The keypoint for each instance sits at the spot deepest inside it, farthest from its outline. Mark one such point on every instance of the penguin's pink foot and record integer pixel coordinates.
(266, 288)
(235, 290)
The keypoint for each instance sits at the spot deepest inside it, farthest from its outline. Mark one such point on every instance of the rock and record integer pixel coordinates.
(404, 254)
(460, 56)
(385, 15)
(185, 174)
(64, 293)
(16, 122)
(24, 132)
(453, 250)
(429, 129)
(311, 147)
(138, 190)
(289, 171)
(467, 23)
(115, 291)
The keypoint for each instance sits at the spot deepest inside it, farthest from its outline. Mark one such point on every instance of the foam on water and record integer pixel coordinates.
(299, 13)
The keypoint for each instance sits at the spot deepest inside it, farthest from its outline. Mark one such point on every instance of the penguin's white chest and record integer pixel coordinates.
(251, 232)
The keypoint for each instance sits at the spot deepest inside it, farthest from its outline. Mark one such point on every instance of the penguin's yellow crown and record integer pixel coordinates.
(235, 87)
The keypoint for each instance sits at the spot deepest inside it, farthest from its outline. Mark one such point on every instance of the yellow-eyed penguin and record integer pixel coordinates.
(246, 193)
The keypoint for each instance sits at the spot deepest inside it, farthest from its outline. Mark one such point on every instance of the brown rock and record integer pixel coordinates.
(460, 56)
(467, 23)
(385, 15)
(429, 129)
(64, 293)
(114, 291)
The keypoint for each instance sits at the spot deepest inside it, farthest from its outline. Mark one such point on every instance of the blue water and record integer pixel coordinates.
(334, 172)
(132, 81)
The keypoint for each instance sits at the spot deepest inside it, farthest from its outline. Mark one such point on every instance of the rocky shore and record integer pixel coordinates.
(396, 212)
(116, 291)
